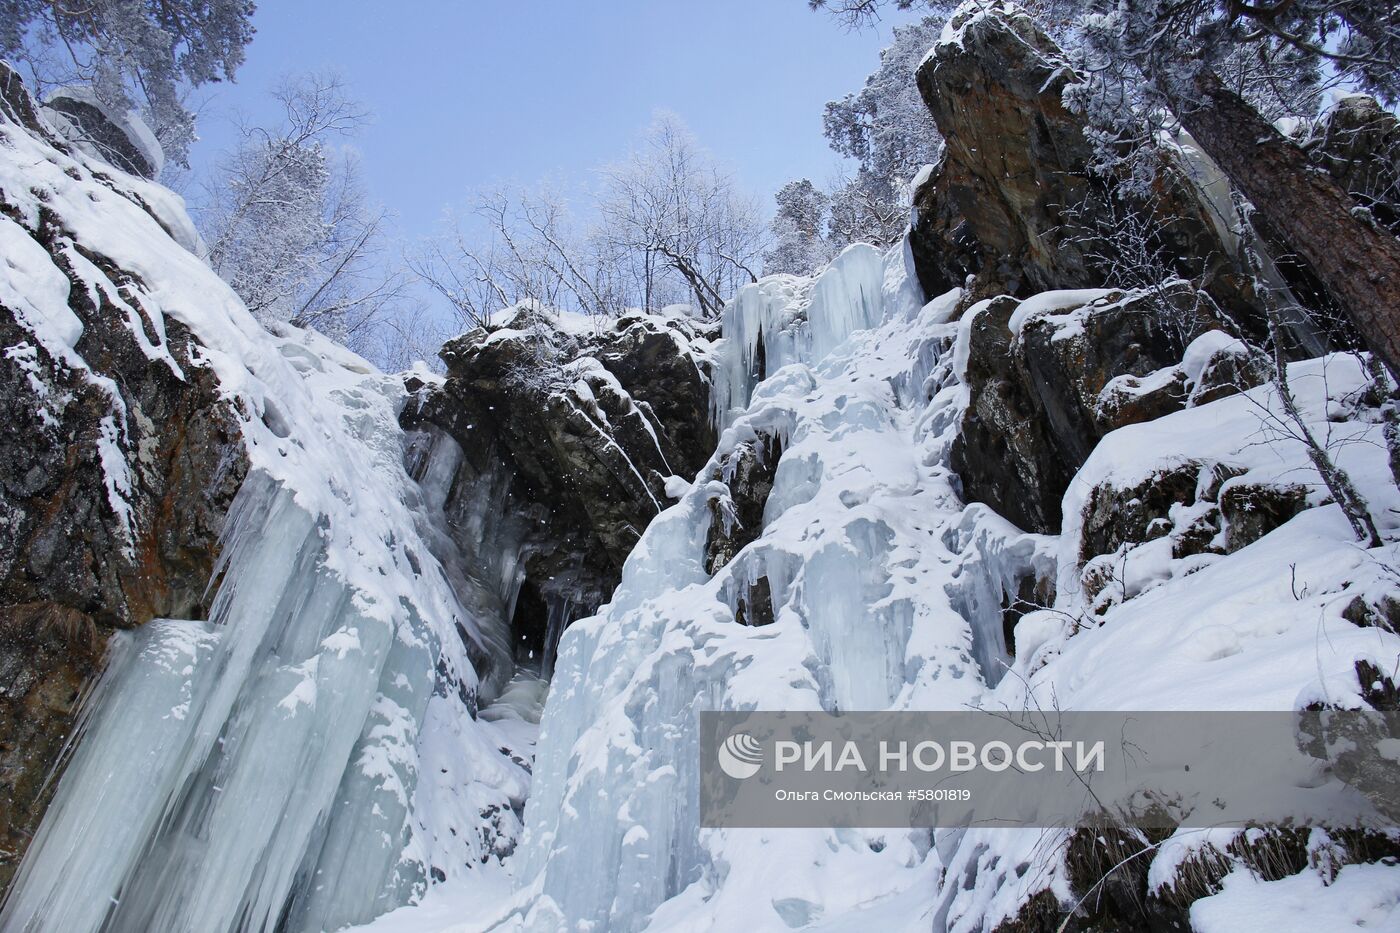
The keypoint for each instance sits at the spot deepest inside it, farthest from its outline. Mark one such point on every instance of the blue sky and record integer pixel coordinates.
(474, 92)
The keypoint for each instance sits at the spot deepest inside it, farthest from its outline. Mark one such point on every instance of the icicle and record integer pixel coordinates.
(560, 615)
(101, 815)
(477, 542)
(998, 561)
(216, 776)
(784, 319)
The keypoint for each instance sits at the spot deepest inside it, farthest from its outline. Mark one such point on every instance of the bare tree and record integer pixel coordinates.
(669, 227)
(672, 206)
(867, 208)
(516, 246)
(288, 224)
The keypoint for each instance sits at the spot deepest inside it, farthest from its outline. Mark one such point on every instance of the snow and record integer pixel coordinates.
(965, 16)
(1051, 302)
(292, 728)
(1257, 629)
(1361, 897)
(1204, 348)
(37, 291)
(116, 475)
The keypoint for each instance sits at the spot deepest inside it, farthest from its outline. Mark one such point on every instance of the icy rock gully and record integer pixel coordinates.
(323, 748)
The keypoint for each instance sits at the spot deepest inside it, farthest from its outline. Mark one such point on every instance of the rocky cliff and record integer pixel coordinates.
(1016, 207)
(1015, 201)
(1134, 420)
(983, 469)
(120, 458)
(586, 425)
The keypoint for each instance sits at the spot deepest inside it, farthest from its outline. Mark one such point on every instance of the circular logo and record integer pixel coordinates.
(740, 755)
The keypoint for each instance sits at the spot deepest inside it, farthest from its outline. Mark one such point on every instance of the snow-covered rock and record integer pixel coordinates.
(576, 424)
(1049, 376)
(122, 140)
(119, 457)
(301, 750)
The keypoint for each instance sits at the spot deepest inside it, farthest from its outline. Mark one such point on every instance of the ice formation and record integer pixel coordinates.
(265, 769)
(349, 725)
(863, 552)
(887, 592)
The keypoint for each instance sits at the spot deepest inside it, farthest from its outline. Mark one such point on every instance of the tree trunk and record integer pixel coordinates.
(1358, 262)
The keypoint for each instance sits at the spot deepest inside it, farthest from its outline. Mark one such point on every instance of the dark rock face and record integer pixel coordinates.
(1004, 454)
(1114, 516)
(15, 103)
(736, 521)
(48, 654)
(1039, 402)
(95, 130)
(656, 367)
(1013, 201)
(589, 425)
(1228, 371)
(61, 539)
(987, 209)
(1199, 507)
(1358, 143)
(1252, 510)
(72, 568)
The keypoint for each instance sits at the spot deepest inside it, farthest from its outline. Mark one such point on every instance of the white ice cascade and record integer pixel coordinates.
(850, 375)
(255, 769)
(309, 756)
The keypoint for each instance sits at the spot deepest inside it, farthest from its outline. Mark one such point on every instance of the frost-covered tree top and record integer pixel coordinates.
(799, 229)
(288, 224)
(885, 126)
(1360, 39)
(886, 129)
(136, 54)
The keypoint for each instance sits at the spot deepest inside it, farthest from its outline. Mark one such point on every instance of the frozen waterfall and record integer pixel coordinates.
(262, 770)
(851, 377)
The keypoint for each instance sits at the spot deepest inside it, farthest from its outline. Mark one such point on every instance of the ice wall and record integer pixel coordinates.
(281, 765)
(786, 319)
(858, 390)
(262, 763)
(482, 558)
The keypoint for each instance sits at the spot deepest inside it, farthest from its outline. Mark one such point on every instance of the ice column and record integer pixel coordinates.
(785, 319)
(213, 771)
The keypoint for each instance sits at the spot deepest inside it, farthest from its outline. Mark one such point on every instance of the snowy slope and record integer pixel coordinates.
(272, 756)
(314, 752)
(887, 593)
(867, 551)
